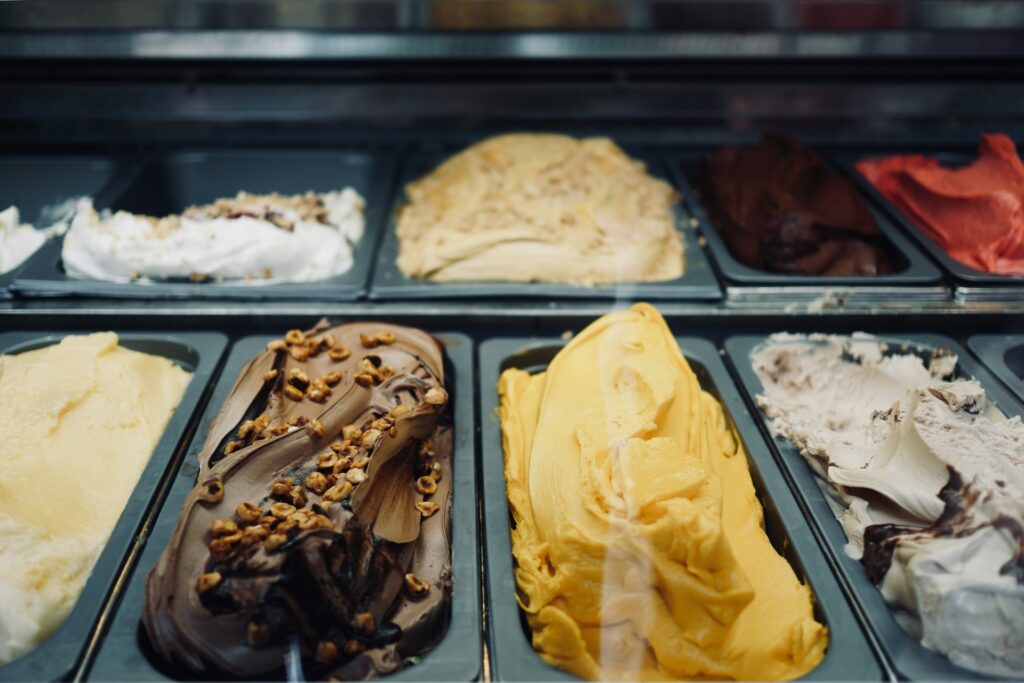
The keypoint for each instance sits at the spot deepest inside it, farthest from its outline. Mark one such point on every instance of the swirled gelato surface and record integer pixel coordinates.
(540, 208)
(974, 212)
(81, 420)
(927, 479)
(780, 207)
(638, 537)
(248, 239)
(320, 523)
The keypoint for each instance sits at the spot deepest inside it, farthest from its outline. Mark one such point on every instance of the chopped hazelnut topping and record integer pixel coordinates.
(248, 513)
(427, 508)
(368, 341)
(370, 438)
(415, 586)
(281, 510)
(318, 394)
(340, 446)
(223, 527)
(277, 345)
(316, 427)
(326, 461)
(282, 486)
(298, 378)
(257, 634)
(299, 353)
(293, 393)
(363, 379)
(356, 476)
(339, 352)
(212, 491)
(246, 428)
(353, 647)
(316, 482)
(365, 623)
(350, 432)
(339, 492)
(232, 446)
(434, 471)
(293, 337)
(278, 430)
(398, 411)
(297, 496)
(208, 581)
(262, 422)
(255, 534)
(426, 449)
(297, 421)
(372, 341)
(342, 465)
(331, 378)
(269, 375)
(361, 462)
(222, 547)
(426, 485)
(326, 652)
(274, 541)
(268, 521)
(436, 396)
(381, 424)
(386, 337)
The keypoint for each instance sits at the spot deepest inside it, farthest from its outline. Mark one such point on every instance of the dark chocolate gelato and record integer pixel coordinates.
(321, 517)
(782, 208)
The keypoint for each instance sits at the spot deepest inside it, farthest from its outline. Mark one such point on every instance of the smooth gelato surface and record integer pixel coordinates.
(974, 212)
(321, 520)
(540, 208)
(782, 208)
(248, 239)
(18, 240)
(638, 537)
(81, 420)
(927, 479)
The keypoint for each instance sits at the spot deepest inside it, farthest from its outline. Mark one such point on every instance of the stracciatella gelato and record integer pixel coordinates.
(81, 420)
(540, 208)
(927, 479)
(248, 239)
(18, 240)
(639, 540)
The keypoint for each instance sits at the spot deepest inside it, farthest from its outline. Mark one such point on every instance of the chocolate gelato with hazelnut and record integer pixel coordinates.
(320, 521)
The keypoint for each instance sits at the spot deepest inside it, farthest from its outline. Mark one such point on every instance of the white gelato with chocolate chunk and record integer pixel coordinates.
(249, 239)
(18, 240)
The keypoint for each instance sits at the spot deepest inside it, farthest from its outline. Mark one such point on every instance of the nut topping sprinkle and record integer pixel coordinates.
(212, 491)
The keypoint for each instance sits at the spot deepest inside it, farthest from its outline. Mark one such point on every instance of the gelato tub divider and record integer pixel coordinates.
(125, 654)
(849, 655)
(917, 280)
(969, 284)
(61, 654)
(905, 654)
(37, 185)
(1003, 354)
(698, 282)
(170, 182)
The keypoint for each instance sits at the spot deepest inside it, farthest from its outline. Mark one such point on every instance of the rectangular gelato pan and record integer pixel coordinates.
(39, 184)
(1003, 354)
(171, 182)
(124, 653)
(969, 284)
(905, 654)
(918, 279)
(199, 352)
(698, 282)
(849, 655)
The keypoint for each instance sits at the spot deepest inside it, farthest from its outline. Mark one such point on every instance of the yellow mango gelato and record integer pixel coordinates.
(81, 419)
(639, 540)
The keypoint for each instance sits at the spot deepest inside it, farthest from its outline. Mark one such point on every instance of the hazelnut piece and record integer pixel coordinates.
(316, 482)
(212, 491)
(293, 393)
(326, 652)
(365, 623)
(435, 396)
(248, 513)
(223, 527)
(208, 581)
(427, 508)
(316, 427)
(415, 586)
(426, 485)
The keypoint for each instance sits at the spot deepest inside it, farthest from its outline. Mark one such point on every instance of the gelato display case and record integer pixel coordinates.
(512, 341)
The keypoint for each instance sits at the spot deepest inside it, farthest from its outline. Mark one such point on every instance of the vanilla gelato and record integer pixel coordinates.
(18, 240)
(81, 419)
(540, 208)
(249, 239)
(927, 479)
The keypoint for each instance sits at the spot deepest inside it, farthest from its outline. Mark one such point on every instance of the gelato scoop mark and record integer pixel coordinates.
(81, 420)
(782, 208)
(927, 479)
(974, 212)
(321, 515)
(638, 537)
(247, 239)
(540, 208)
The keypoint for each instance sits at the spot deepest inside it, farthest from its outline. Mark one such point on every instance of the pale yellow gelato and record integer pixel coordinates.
(639, 540)
(80, 421)
(540, 208)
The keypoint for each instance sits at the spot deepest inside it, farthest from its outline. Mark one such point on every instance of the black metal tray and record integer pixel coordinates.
(698, 282)
(904, 653)
(37, 183)
(969, 284)
(171, 182)
(917, 279)
(123, 654)
(849, 656)
(199, 352)
(1003, 354)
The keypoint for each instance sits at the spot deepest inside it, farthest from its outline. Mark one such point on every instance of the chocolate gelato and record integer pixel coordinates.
(321, 517)
(782, 208)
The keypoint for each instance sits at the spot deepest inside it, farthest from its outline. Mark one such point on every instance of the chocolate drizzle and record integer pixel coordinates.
(328, 574)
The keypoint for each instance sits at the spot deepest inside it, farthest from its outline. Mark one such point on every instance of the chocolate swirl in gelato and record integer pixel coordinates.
(321, 517)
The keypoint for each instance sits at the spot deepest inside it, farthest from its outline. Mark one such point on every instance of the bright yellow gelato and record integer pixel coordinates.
(80, 421)
(639, 539)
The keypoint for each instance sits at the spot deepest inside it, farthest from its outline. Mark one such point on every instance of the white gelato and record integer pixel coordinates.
(18, 240)
(927, 479)
(250, 239)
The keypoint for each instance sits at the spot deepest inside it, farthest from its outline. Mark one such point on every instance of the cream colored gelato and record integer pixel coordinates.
(81, 419)
(927, 479)
(249, 239)
(18, 240)
(540, 208)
